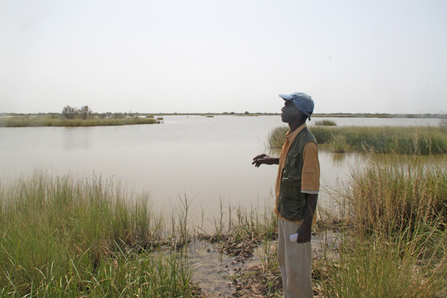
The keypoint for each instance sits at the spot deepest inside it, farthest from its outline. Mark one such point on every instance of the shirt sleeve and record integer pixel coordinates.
(310, 182)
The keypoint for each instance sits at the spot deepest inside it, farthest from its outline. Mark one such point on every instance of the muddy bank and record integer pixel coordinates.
(227, 267)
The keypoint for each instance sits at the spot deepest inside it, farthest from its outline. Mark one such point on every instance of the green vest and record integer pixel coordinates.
(292, 202)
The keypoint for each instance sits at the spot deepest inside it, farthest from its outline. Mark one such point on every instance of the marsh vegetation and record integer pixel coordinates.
(73, 117)
(385, 140)
(49, 121)
(393, 241)
(68, 236)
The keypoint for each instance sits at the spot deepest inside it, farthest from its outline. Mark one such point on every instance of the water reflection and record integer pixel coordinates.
(338, 159)
(75, 138)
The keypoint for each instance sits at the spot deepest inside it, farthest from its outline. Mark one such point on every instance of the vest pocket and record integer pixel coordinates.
(292, 168)
(291, 203)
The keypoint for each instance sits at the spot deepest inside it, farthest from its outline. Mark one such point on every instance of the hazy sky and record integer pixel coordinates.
(223, 56)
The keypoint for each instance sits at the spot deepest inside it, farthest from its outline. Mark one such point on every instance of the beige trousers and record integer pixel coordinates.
(295, 262)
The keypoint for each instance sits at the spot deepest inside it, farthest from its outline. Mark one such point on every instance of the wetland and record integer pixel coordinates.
(101, 210)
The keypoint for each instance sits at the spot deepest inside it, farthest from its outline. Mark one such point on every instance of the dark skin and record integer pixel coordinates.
(295, 118)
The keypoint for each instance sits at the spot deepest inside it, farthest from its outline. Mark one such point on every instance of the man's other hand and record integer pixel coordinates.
(264, 159)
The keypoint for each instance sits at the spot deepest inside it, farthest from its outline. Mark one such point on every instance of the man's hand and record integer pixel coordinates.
(264, 159)
(305, 230)
(304, 233)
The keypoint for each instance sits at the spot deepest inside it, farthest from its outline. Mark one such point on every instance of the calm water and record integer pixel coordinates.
(205, 159)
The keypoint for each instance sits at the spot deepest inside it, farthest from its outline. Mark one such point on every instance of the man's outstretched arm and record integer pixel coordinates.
(264, 159)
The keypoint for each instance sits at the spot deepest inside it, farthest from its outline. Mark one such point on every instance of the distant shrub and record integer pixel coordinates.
(69, 112)
(72, 113)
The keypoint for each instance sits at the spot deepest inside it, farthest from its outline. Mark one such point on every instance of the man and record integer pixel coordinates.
(297, 187)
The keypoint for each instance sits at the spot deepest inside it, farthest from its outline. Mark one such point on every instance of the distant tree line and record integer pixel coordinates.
(73, 113)
(85, 112)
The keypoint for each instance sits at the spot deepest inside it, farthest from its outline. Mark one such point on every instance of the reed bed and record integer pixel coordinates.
(394, 240)
(73, 237)
(384, 139)
(383, 268)
(50, 121)
(389, 197)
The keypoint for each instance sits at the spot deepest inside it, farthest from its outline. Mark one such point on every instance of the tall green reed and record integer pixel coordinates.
(120, 275)
(62, 231)
(387, 196)
(380, 267)
(394, 239)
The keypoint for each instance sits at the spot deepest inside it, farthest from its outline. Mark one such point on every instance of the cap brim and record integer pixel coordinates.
(285, 96)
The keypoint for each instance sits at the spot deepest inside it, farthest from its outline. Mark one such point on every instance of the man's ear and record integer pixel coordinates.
(295, 112)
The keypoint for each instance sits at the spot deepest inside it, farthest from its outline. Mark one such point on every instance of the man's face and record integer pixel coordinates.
(289, 112)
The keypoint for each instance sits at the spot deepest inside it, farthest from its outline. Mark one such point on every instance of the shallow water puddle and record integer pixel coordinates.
(212, 268)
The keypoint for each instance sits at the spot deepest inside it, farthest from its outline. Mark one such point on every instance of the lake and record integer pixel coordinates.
(206, 159)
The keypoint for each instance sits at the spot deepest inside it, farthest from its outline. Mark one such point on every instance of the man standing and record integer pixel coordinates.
(297, 187)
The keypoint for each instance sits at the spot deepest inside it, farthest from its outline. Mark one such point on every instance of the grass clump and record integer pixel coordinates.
(325, 123)
(277, 137)
(62, 236)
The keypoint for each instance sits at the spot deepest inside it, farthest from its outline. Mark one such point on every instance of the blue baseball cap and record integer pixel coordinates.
(302, 101)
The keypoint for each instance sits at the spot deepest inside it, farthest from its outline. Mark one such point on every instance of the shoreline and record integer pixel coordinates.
(45, 121)
(316, 115)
